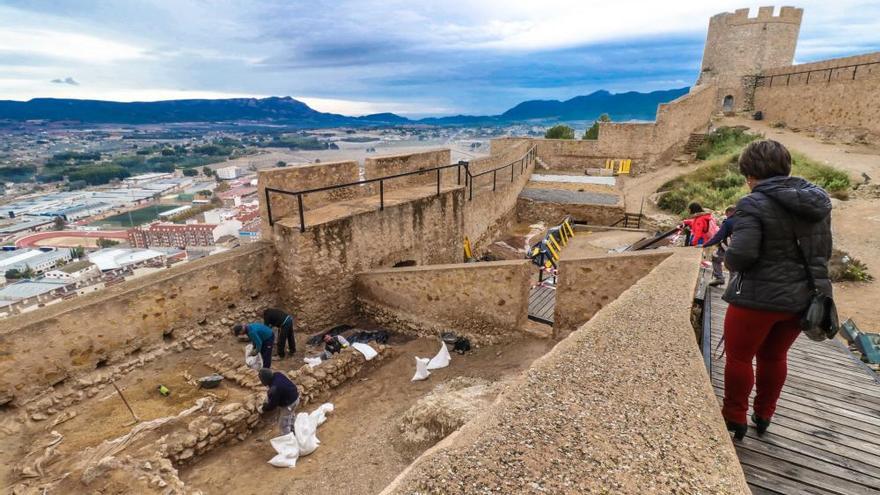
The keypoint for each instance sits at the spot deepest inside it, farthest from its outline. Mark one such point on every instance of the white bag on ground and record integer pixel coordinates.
(365, 349)
(441, 360)
(312, 361)
(303, 440)
(421, 369)
(306, 428)
(319, 415)
(252, 362)
(287, 448)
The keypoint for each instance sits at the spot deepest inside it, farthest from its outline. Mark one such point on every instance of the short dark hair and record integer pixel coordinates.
(238, 329)
(730, 209)
(695, 208)
(765, 159)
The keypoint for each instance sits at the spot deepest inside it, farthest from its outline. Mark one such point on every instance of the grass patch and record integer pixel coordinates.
(718, 184)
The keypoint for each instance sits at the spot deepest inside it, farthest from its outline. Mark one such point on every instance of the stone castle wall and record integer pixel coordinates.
(384, 166)
(839, 98)
(586, 285)
(303, 177)
(484, 301)
(317, 267)
(59, 342)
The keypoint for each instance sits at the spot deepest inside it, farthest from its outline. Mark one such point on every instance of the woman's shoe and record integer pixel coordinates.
(760, 424)
(739, 429)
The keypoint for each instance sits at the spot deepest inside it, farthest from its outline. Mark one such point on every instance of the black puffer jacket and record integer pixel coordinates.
(767, 270)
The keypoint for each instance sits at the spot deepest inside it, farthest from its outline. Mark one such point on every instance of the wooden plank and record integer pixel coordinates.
(805, 475)
(758, 477)
(852, 457)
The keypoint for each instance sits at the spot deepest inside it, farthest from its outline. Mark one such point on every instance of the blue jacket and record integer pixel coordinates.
(282, 392)
(723, 232)
(259, 334)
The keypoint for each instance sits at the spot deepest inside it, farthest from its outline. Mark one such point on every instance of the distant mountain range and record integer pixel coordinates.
(288, 111)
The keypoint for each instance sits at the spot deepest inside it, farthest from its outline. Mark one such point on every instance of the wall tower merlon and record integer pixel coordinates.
(787, 14)
(765, 13)
(791, 14)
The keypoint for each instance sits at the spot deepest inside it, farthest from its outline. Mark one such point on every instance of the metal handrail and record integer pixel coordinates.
(759, 81)
(526, 160)
(380, 180)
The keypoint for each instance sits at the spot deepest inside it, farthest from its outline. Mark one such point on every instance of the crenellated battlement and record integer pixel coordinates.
(740, 17)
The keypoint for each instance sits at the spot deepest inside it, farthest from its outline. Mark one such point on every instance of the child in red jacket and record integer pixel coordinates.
(701, 224)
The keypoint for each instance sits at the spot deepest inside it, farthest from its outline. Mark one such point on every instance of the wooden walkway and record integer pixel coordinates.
(542, 303)
(825, 436)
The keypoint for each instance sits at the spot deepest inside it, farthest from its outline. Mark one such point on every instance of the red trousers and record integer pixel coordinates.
(751, 333)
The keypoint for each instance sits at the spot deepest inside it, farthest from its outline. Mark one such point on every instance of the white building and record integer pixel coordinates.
(117, 258)
(227, 173)
(74, 272)
(39, 260)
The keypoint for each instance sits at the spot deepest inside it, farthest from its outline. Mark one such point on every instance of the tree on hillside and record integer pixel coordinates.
(105, 243)
(281, 164)
(77, 252)
(190, 172)
(59, 223)
(560, 131)
(15, 274)
(593, 131)
(207, 171)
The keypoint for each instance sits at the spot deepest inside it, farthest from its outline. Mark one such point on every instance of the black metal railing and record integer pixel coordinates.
(826, 75)
(527, 159)
(381, 180)
(524, 162)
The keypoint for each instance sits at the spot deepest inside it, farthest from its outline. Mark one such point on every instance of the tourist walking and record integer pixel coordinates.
(721, 239)
(284, 323)
(701, 224)
(782, 229)
(282, 395)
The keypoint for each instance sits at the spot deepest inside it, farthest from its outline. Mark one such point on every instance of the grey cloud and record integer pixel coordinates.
(67, 80)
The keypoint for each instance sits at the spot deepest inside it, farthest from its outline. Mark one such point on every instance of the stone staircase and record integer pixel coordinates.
(689, 150)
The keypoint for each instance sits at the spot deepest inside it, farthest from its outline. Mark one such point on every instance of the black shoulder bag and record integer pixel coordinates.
(819, 322)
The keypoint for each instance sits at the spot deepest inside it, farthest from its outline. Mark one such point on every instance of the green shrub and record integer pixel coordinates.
(724, 140)
(834, 181)
(560, 131)
(593, 131)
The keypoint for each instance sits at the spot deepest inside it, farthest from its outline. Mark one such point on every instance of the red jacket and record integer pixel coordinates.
(701, 228)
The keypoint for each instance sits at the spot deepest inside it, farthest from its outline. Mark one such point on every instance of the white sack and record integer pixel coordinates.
(319, 415)
(441, 360)
(252, 362)
(421, 369)
(287, 448)
(306, 428)
(312, 361)
(365, 349)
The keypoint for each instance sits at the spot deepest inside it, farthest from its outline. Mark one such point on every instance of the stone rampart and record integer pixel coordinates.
(485, 301)
(532, 210)
(622, 405)
(832, 96)
(384, 166)
(47, 347)
(586, 285)
(303, 177)
(317, 267)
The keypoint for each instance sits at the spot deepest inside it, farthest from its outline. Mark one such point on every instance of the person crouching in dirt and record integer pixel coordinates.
(284, 323)
(721, 239)
(332, 345)
(282, 395)
(261, 337)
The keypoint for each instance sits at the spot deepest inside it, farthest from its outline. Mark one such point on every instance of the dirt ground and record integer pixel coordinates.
(359, 452)
(599, 243)
(68, 242)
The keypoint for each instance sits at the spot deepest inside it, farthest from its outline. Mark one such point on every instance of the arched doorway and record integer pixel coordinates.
(727, 104)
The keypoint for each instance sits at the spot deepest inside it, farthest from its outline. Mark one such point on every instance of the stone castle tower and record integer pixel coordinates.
(739, 46)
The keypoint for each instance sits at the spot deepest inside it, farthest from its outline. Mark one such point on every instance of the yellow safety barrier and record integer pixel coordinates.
(567, 226)
(609, 164)
(467, 249)
(553, 252)
(624, 167)
(554, 243)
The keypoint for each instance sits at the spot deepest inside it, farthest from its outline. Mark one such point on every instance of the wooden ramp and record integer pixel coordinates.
(825, 436)
(542, 303)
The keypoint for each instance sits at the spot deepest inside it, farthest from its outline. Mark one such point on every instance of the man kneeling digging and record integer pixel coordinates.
(283, 395)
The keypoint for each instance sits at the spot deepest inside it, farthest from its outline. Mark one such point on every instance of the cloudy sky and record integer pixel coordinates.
(416, 58)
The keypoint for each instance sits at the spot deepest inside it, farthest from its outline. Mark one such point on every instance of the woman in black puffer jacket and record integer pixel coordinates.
(768, 290)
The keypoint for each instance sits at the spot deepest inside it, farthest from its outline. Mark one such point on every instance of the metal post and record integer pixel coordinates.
(381, 195)
(302, 214)
(855, 68)
(830, 72)
(438, 182)
(472, 189)
(511, 171)
(788, 79)
(494, 173)
(269, 209)
(808, 77)
(771, 81)
(458, 175)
